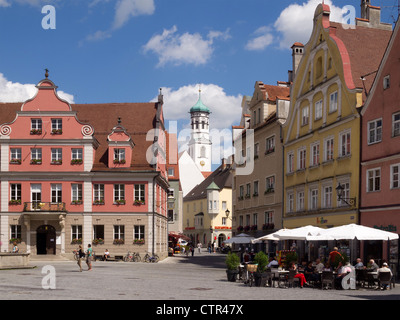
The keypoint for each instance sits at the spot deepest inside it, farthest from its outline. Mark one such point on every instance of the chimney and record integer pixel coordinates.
(371, 17)
(297, 54)
(364, 9)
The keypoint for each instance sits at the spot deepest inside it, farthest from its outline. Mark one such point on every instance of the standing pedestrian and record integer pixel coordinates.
(209, 247)
(192, 250)
(199, 245)
(89, 253)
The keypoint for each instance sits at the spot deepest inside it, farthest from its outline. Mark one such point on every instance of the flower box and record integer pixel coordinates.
(138, 241)
(269, 190)
(98, 202)
(76, 161)
(76, 202)
(56, 131)
(139, 202)
(36, 131)
(116, 161)
(98, 241)
(240, 228)
(15, 240)
(119, 202)
(119, 241)
(76, 241)
(36, 161)
(15, 161)
(14, 202)
(246, 228)
(253, 227)
(56, 162)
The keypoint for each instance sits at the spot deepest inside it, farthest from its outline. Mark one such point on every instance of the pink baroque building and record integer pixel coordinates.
(84, 174)
(380, 156)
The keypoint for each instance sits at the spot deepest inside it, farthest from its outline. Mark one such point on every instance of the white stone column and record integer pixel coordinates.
(87, 230)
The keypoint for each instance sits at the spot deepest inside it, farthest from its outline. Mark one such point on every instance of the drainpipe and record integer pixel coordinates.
(154, 212)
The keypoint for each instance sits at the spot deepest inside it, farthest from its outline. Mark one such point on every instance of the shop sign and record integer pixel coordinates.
(321, 220)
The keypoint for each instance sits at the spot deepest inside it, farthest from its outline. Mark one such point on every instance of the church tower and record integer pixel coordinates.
(200, 143)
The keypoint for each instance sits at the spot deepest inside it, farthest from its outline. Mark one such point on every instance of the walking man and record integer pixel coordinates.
(89, 254)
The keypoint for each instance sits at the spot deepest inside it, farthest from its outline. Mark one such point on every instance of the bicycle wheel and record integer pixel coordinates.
(126, 259)
(156, 258)
(146, 258)
(137, 258)
(251, 280)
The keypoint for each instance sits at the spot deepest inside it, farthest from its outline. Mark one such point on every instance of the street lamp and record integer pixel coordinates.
(227, 212)
(340, 194)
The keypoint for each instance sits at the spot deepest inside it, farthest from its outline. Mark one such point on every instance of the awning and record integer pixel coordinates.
(178, 235)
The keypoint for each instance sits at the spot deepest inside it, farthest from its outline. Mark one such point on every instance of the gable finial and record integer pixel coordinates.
(47, 73)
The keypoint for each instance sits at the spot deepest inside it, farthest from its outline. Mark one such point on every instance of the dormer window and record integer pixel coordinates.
(56, 126)
(119, 156)
(386, 82)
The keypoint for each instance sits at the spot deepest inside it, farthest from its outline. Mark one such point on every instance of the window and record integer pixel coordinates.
(98, 193)
(300, 201)
(327, 196)
(119, 193)
(15, 231)
(76, 232)
(119, 155)
(138, 233)
(56, 193)
(270, 184)
(290, 163)
(315, 154)
(290, 202)
(255, 219)
(241, 192)
(328, 152)
(318, 110)
(223, 221)
(313, 199)
(375, 131)
(139, 192)
(256, 150)
(171, 172)
(15, 192)
(270, 145)
(248, 190)
(56, 126)
(36, 125)
(301, 165)
(224, 206)
(56, 155)
(170, 215)
(386, 82)
(76, 154)
(333, 101)
(304, 116)
(98, 231)
(255, 185)
(269, 217)
(374, 180)
(76, 192)
(15, 155)
(344, 148)
(36, 155)
(119, 232)
(346, 193)
(396, 125)
(394, 176)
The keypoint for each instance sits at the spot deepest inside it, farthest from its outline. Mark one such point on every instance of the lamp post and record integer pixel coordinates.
(340, 194)
(227, 212)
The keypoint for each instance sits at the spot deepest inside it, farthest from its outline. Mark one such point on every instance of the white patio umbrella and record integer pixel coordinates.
(240, 239)
(301, 233)
(266, 237)
(354, 231)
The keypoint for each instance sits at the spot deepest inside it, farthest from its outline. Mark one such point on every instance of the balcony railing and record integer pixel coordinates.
(44, 206)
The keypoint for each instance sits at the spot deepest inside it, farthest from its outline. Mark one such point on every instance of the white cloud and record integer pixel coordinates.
(4, 3)
(295, 22)
(225, 109)
(185, 48)
(17, 92)
(263, 38)
(125, 9)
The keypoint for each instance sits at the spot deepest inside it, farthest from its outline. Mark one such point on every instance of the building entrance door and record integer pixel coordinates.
(46, 240)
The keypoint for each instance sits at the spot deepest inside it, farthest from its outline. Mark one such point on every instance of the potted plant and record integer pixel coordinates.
(138, 241)
(76, 241)
(232, 264)
(98, 241)
(76, 161)
(291, 256)
(261, 276)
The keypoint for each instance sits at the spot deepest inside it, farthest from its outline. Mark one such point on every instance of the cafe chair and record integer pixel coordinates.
(372, 280)
(361, 277)
(327, 279)
(385, 279)
(291, 279)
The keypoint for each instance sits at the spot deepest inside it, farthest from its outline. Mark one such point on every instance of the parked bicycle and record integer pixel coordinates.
(249, 279)
(150, 258)
(132, 257)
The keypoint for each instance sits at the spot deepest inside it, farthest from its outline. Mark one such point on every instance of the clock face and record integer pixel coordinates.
(202, 163)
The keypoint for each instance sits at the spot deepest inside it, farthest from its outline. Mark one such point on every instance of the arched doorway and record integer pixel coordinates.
(221, 239)
(46, 240)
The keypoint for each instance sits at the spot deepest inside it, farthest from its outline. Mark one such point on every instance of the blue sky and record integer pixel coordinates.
(125, 50)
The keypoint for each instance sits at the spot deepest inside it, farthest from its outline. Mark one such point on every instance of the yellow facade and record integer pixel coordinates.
(204, 227)
(321, 137)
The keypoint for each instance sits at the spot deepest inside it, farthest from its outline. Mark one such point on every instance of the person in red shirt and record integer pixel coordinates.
(333, 254)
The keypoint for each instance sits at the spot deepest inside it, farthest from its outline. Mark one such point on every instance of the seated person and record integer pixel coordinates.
(309, 272)
(273, 263)
(342, 271)
(15, 248)
(301, 276)
(327, 267)
(385, 268)
(359, 265)
(246, 256)
(319, 266)
(106, 255)
(372, 266)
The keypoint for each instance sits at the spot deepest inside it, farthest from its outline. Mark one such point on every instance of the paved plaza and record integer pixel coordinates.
(201, 277)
